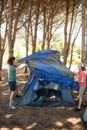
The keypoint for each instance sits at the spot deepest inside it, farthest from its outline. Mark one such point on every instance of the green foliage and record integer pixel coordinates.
(76, 53)
(59, 46)
(76, 58)
(18, 56)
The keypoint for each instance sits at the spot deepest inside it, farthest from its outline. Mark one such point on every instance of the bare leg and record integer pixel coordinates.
(11, 97)
(80, 103)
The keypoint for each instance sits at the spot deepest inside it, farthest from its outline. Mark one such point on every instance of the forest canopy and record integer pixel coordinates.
(38, 23)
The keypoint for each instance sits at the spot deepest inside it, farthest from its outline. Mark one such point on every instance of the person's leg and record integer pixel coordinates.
(12, 91)
(84, 98)
(80, 100)
(81, 96)
(80, 103)
(11, 98)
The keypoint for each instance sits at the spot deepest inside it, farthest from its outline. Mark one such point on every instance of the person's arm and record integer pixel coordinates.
(17, 64)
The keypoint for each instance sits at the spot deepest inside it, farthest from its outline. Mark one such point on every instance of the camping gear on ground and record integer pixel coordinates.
(49, 76)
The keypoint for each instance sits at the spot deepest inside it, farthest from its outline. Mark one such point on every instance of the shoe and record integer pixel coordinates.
(12, 107)
(77, 109)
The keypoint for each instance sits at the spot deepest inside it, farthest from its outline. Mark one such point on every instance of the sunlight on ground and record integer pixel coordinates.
(4, 128)
(8, 116)
(31, 126)
(3, 84)
(22, 82)
(17, 128)
(58, 123)
(73, 120)
(5, 93)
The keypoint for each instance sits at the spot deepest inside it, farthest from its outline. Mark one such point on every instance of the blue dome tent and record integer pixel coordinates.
(48, 73)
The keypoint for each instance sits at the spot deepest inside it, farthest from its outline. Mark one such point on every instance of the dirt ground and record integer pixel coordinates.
(35, 118)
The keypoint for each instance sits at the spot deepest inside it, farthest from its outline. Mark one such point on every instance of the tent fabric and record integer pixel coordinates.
(46, 57)
(67, 97)
(28, 93)
(47, 72)
(41, 55)
(46, 66)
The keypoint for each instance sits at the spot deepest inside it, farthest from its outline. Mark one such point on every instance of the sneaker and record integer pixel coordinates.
(77, 109)
(12, 107)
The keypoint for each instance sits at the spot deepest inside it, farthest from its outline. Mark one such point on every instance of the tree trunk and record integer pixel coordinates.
(71, 56)
(44, 28)
(49, 31)
(86, 32)
(27, 42)
(65, 33)
(2, 40)
(10, 42)
(13, 24)
(83, 58)
(36, 27)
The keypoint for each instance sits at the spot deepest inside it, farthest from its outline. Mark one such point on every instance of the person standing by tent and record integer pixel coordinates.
(12, 79)
(81, 79)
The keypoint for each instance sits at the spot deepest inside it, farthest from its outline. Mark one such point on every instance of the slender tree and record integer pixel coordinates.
(36, 25)
(83, 58)
(13, 19)
(65, 32)
(86, 33)
(10, 23)
(3, 18)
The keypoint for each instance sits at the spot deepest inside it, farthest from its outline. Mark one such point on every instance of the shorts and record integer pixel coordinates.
(12, 85)
(82, 92)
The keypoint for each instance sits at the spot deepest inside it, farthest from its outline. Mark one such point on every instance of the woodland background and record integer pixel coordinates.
(30, 25)
(37, 23)
(27, 26)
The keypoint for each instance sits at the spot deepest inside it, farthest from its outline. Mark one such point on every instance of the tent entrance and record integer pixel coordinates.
(49, 93)
(48, 89)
